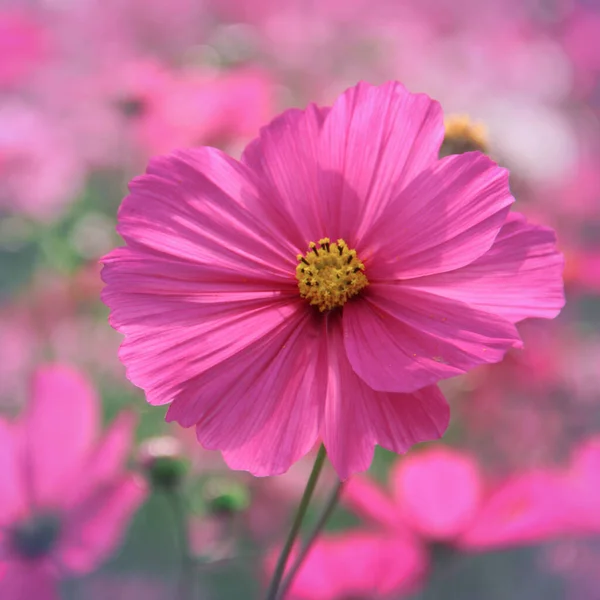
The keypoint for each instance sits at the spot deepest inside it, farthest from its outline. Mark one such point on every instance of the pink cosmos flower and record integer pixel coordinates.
(439, 496)
(527, 508)
(40, 171)
(319, 288)
(23, 46)
(65, 498)
(50, 317)
(357, 564)
(434, 495)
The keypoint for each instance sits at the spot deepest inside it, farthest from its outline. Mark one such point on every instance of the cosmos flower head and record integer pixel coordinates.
(464, 135)
(65, 495)
(318, 289)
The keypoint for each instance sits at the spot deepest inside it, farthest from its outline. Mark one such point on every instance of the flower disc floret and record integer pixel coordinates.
(330, 274)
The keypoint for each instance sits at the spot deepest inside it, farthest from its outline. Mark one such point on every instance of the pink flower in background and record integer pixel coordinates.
(23, 46)
(439, 495)
(49, 319)
(435, 494)
(319, 288)
(65, 496)
(527, 508)
(126, 113)
(581, 42)
(358, 564)
(198, 107)
(527, 411)
(40, 171)
(584, 478)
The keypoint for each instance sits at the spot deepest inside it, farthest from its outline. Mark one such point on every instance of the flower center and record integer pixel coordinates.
(35, 537)
(463, 135)
(330, 274)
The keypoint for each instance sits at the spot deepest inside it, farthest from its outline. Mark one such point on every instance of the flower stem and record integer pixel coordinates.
(289, 543)
(185, 583)
(312, 536)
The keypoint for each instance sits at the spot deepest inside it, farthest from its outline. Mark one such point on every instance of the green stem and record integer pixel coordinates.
(289, 543)
(310, 540)
(185, 582)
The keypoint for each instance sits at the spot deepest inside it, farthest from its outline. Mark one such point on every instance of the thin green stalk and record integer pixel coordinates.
(310, 540)
(289, 543)
(185, 583)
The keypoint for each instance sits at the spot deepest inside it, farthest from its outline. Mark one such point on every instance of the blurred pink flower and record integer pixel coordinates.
(439, 495)
(527, 508)
(527, 411)
(50, 319)
(103, 33)
(435, 494)
(126, 113)
(212, 290)
(65, 496)
(584, 478)
(23, 46)
(40, 171)
(581, 41)
(197, 107)
(541, 504)
(357, 564)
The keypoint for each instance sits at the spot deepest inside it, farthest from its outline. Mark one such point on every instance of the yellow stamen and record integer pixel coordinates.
(463, 135)
(329, 274)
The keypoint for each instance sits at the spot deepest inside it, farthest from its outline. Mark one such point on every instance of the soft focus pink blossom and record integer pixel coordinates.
(48, 319)
(23, 46)
(65, 496)
(527, 508)
(523, 412)
(358, 564)
(198, 107)
(584, 478)
(40, 171)
(207, 296)
(439, 495)
(541, 504)
(123, 114)
(421, 481)
(434, 494)
(581, 41)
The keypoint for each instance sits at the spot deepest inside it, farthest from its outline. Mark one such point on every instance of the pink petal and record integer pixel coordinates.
(96, 526)
(358, 417)
(330, 172)
(445, 219)
(60, 424)
(262, 406)
(366, 498)
(171, 339)
(528, 508)
(284, 160)
(438, 490)
(584, 485)
(359, 564)
(520, 276)
(191, 204)
(400, 339)
(24, 581)
(183, 294)
(375, 140)
(108, 457)
(12, 494)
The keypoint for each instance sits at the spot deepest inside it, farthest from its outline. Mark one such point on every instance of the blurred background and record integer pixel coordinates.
(90, 89)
